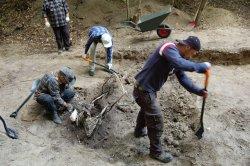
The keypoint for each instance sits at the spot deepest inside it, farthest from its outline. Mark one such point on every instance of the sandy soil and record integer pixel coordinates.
(227, 117)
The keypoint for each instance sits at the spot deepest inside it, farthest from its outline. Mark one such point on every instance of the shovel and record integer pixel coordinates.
(89, 60)
(10, 132)
(34, 87)
(200, 132)
(105, 67)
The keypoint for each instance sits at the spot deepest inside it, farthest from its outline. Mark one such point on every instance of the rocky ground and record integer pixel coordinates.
(227, 117)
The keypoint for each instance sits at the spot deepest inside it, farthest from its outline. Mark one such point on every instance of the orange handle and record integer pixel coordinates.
(207, 74)
(87, 59)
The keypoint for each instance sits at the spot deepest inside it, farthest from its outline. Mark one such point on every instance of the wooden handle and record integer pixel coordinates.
(87, 59)
(207, 74)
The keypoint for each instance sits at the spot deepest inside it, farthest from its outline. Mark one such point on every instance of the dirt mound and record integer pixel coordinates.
(116, 131)
(213, 18)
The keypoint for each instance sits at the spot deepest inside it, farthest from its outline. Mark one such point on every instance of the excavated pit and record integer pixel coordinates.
(181, 111)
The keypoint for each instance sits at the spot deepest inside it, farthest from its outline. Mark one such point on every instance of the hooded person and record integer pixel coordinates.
(99, 34)
(55, 91)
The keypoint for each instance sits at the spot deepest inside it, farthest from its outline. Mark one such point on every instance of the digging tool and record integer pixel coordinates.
(200, 132)
(34, 87)
(89, 60)
(10, 132)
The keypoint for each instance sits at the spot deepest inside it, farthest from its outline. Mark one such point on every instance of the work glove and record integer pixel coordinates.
(84, 56)
(74, 115)
(109, 66)
(47, 24)
(67, 19)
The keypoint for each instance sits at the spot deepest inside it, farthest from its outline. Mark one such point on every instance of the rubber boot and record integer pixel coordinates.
(163, 157)
(56, 118)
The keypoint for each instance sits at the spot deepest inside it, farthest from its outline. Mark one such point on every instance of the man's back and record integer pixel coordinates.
(156, 70)
(48, 83)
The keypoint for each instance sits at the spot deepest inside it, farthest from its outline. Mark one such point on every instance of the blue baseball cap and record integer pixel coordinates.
(192, 41)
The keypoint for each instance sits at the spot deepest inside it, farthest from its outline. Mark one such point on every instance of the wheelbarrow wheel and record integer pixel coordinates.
(163, 31)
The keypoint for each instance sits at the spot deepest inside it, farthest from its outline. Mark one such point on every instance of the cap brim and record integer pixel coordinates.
(181, 41)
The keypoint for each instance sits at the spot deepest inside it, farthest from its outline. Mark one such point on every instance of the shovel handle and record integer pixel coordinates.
(89, 60)
(207, 76)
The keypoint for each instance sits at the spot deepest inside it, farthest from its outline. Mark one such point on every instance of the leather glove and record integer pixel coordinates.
(67, 19)
(47, 24)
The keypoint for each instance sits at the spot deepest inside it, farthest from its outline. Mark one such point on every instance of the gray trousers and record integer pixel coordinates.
(149, 116)
(92, 53)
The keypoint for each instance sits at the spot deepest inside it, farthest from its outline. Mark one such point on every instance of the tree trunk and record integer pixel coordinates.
(127, 1)
(199, 12)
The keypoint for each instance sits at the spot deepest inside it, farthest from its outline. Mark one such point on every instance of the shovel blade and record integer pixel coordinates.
(12, 133)
(199, 133)
(13, 115)
(35, 84)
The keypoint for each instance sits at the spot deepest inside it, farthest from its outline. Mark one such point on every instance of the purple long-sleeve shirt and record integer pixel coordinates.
(158, 66)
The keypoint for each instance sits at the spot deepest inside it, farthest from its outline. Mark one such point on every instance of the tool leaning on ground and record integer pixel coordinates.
(34, 87)
(105, 67)
(10, 132)
(200, 132)
(89, 60)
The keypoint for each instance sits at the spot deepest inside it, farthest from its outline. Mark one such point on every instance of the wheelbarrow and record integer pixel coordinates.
(151, 22)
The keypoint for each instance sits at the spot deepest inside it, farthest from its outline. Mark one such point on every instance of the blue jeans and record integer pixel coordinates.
(49, 103)
(149, 116)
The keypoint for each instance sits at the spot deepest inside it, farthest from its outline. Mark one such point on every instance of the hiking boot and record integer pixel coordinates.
(56, 118)
(60, 52)
(68, 49)
(163, 157)
(140, 132)
(91, 72)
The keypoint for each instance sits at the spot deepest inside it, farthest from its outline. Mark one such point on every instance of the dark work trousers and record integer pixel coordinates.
(49, 103)
(62, 37)
(149, 116)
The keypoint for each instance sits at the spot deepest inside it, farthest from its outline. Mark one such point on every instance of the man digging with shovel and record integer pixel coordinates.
(168, 58)
(55, 91)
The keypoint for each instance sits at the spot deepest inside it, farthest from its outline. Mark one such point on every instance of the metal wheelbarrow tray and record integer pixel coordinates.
(151, 22)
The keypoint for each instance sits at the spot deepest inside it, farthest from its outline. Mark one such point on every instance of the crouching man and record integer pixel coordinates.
(55, 92)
